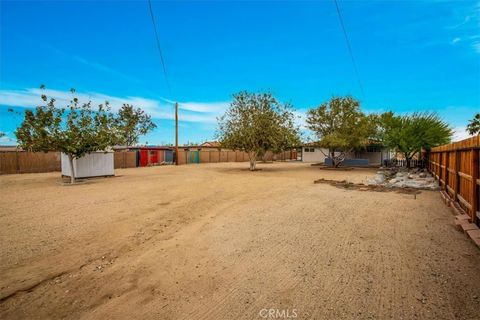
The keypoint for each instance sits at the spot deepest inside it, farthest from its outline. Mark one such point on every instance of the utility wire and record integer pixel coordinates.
(159, 46)
(350, 51)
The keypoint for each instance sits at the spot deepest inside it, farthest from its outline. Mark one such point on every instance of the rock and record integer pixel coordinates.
(379, 178)
(414, 184)
(415, 178)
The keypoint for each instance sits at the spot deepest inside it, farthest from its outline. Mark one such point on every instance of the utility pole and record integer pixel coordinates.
(176, 133)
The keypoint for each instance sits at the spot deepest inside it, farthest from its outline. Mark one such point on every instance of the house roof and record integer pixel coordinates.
(371, 143)
(311, 144)
(214, 144)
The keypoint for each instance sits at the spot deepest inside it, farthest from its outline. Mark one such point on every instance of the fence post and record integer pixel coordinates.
(475, 177)
(457, 176)
(447, 174)
(440, 170)
(434, 165)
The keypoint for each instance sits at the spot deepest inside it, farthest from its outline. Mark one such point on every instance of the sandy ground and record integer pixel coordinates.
(215, 241)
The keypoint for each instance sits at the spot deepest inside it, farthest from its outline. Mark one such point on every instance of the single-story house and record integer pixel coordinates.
(372, 155)
(210, 144)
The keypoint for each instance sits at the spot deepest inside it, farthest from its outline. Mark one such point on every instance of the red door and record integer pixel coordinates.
(154, 157)
(143, 158)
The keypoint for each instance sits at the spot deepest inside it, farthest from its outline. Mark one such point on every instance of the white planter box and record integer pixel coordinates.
(95, 164)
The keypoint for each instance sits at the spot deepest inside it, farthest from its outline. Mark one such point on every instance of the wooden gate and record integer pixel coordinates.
(193, 156)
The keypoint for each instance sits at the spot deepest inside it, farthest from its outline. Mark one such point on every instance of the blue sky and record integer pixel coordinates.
(411, 56)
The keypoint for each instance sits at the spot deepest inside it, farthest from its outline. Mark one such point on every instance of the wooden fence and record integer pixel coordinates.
(34, 162)
(29, 162)
(222, 155)
(456, 166)
(125, 159)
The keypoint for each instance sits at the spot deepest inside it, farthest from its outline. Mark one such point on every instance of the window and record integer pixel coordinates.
(374, 149)
(309, 149)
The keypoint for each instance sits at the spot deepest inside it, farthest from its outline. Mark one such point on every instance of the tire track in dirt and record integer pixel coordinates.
(286, 281)
(235, 294)
(129, 248)
(223, 207)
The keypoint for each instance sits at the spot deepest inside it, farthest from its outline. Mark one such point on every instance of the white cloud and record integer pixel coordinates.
(103, 68)
(301, 118)
(460, 133)
(456, 40)
(204, 107)
(476, 46)
(94, 65)
(466, 28)
(192, 111)
(465, 21)
(7, 140)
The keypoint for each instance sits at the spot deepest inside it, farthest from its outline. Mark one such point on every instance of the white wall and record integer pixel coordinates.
(316, 156)
(95, 164)
(374, 158)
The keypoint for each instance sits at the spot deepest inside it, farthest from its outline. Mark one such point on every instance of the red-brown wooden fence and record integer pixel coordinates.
(457, 167)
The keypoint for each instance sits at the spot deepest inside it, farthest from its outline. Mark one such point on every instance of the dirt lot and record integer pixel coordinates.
(218, 242)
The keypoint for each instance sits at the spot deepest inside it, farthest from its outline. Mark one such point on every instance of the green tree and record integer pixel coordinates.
(257, 123)
(474, 125)
(341, 127)
(409, 134)
(132, 123)
(75, 130)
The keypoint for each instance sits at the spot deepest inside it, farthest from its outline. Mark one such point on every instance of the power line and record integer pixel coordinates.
(166, 77)
(350, 51)
(158, 46)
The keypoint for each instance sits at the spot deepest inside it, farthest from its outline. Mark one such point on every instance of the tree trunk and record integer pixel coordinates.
(335, 160)
(253, 160)
(337, 163)
(408, 159)
(72, 170)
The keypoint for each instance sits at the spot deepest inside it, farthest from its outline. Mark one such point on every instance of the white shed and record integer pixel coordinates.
(95, 164)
